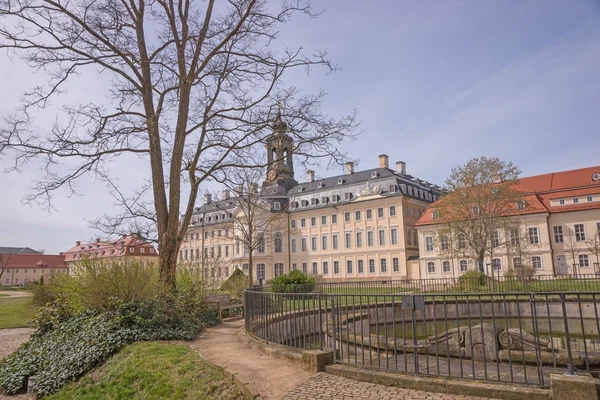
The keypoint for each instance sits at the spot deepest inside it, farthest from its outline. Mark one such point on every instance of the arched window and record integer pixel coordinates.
(278, 242)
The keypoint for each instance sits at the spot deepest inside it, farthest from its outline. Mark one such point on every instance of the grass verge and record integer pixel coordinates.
(15, 312)
(152, 370)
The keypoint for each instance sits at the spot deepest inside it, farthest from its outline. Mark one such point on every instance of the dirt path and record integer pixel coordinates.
(10, 294)
(273, 377)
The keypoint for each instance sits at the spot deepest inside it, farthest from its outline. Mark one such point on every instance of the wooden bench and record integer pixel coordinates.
(222, 302)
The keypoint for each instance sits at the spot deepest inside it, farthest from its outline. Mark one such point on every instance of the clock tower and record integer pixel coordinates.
(280, 147)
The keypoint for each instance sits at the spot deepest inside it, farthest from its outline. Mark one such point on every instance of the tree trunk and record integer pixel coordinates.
(481, 261)
(250, 281)
(167, 259)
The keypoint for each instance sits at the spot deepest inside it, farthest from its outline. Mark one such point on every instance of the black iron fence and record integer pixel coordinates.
(505, 337)
(484, 284)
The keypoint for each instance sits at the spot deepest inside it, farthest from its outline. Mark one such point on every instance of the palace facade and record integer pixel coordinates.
(355, 226)
(560, 215)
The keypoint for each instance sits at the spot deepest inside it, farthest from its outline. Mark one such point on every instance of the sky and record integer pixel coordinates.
(435, 83)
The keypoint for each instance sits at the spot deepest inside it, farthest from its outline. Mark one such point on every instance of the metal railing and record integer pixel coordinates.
(505, 337)
(484, 284)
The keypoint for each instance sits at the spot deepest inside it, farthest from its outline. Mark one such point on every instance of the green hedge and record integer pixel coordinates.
(293, 282)
(67, 345)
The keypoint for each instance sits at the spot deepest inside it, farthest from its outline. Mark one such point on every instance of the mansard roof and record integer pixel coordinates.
(18, 250)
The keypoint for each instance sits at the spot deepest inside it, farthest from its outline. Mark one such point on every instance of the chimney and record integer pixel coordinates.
(401, 167)
(207, 198)
(238, 190)
(383, 161)
(97, 240)
(349, 168)
(310, 176)
(123, 235)
(78, 243)
(225, 193)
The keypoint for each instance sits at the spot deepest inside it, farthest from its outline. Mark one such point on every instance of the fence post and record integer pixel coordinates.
(320, 330)
(333, 327)
(567, 336)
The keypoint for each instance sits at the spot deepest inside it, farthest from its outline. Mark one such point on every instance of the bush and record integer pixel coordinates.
(472, 281)
(70, 343)
(236, 283)
(293, 282)
(95, 282)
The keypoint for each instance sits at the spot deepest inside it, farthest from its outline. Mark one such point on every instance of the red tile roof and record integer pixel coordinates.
(35, 260)
(539, 190)
(111, 248)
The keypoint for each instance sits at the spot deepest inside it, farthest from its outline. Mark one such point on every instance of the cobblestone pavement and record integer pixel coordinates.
(330, 387)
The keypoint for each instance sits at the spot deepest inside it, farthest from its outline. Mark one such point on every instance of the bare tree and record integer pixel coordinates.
(192, 89)
(4, 261)
(593, 246)
(519, 244)
(572, 247)
(257, 225)
(481, 194)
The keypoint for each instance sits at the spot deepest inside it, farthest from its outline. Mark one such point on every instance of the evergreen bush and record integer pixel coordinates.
(293, 282)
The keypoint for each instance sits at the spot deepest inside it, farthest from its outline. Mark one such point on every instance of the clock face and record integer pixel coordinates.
(272, 174)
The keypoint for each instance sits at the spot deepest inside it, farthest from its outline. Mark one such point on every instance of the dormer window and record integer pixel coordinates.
(435, 214)
(521, 205)
(277, 205)
(403, 188)
(274, 190)
(374, 174)
(575, 200)
(300, 189)
(304, 203)
(340, 181)
(410, 190)
(392, 189)
(464, 195)
(334, 198)
(324, 200)
(314, 202)
(347, 196)
(320, 185)
(475, 210)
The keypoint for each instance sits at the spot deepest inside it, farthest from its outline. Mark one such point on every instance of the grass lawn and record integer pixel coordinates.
(152, 370)
(15, 312)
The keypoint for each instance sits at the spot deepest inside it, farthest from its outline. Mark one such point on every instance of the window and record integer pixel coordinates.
(380, 212)
(142, 250)
(536, 261)
(383, 263)
(558, 234)
(324, 220)
(369, 213)
(227, 252)
(429, 243)
(517, 262)
(475, 210)
(336, 267)
(261, 243)
(293, 245)
(435, 214)
(584, 260)
(293, 224)
(349, 266)
(303, 244)
(431, 267)
(131, 250)
(347, 217)
(382, 237)
(357, 215)
(396, 264)
(314, 202)
(408, 236)
(358, 239)
(392, 211)
(313, 221)
(497, 264)
(151, 250)
(323, 242)
(561, 202)
(464, 265)
(348, 240)
(534, 237)
(325, 268)
(496, 238)
(277, 270)
(370, 238)
(212, 234)
(347, 196)
(305, 268)
(186, 257)
(521, 205)
(313, 243)
(589, 198)
(260, 272)
(219, 251)
(579, 232)
(219, 233)
(227, 270)
(371, 266)
(245, 268)
(514, 237)
(334, 241)
(315, 268)
(446, 267)
(444, 243)
(303, 222)
(334, 218)
(575, 200)
(294, 267)
(278, 241)
(394, 235)
(462, 241)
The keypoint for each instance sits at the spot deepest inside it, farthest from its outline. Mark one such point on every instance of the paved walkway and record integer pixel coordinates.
(330, 387)
(8, 294)
(273, 377)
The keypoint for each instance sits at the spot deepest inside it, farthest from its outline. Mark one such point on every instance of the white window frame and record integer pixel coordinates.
(559, 237)
(584, 260)
(429, 243)
(395, 264)
(534, 235)
(431, 267)
(579, 230)
(535, 263)
(444, 269)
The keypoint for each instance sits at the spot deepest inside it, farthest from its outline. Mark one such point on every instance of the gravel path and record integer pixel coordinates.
(273, 377)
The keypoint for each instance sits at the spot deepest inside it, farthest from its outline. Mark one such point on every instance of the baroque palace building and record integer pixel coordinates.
(560, 216)
(355, 226)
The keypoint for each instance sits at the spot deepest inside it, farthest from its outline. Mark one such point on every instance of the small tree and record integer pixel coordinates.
(572, 248)
(4, 261)
(481, 194)
(593, 245)
(519, 244)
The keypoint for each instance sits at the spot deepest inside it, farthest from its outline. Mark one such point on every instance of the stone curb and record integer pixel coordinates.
(249, 391)
(440, 385)
(268, 349)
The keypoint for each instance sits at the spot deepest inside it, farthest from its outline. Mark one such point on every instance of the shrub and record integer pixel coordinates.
(293, 282)
(236, 283)
(95, 282)
(70, 343)
(472, 281)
